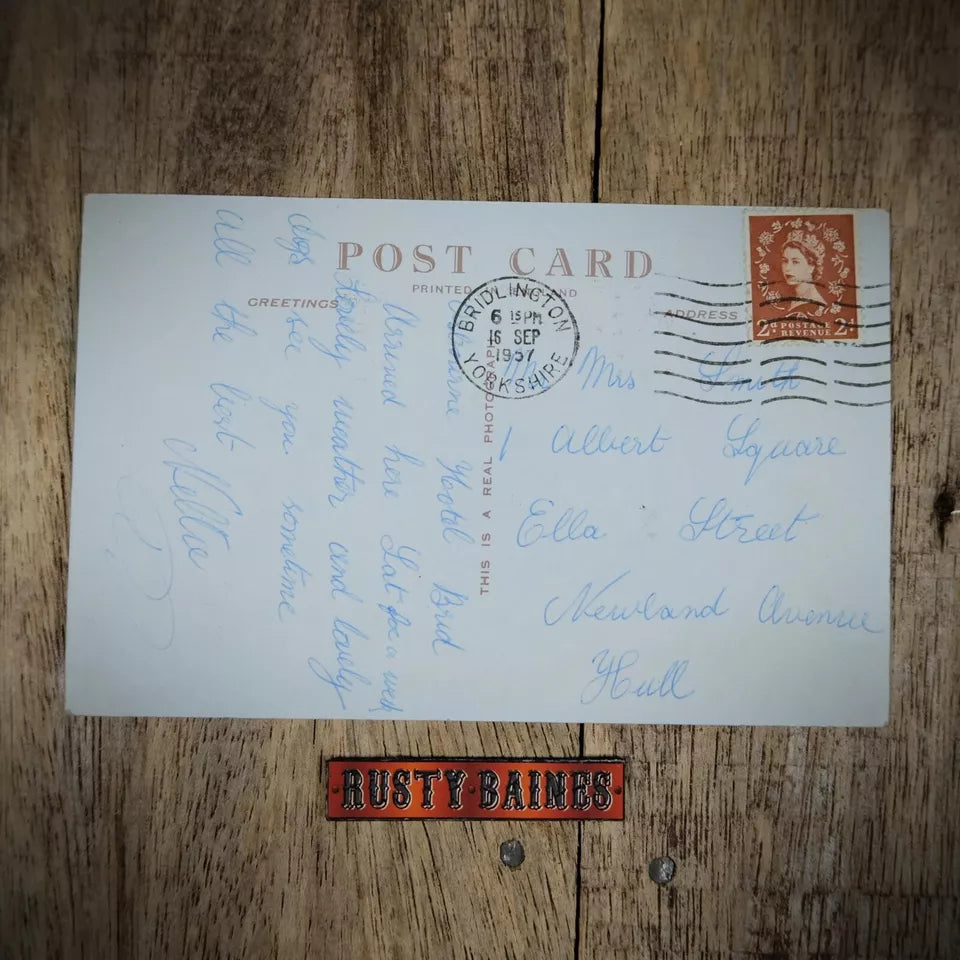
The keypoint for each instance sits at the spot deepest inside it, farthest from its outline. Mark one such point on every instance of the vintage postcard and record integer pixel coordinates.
(387, 459)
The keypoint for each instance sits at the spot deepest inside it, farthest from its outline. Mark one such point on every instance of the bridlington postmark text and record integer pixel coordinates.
(514, 337)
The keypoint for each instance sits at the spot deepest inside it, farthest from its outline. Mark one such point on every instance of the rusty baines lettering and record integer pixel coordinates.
(519, 789)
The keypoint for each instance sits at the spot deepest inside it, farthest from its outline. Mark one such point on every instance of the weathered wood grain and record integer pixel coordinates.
(188, 838)
(796, 842)
(138, 838)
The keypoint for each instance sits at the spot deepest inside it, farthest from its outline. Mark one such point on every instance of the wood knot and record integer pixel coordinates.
(944, 510)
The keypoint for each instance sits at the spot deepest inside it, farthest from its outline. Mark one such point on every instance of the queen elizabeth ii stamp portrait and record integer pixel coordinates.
(803, 276)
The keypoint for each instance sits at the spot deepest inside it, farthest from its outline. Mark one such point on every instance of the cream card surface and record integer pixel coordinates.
(393, 459)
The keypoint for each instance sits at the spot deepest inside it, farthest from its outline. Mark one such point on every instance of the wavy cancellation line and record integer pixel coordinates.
(701, 303)
(709, 383)
(728, 384)
(714, 403)
(712, 363)
(791, 377)
(745, 283)
(732, 386)
(783, 396)
(707, 343)
(772, 301)
(793, 396)
(851, 383)
(701, 283)
(784, 359)
(868, 326)
(853, 363)
(790, 396)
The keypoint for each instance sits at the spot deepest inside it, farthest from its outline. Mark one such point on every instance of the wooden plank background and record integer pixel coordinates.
(189, 838)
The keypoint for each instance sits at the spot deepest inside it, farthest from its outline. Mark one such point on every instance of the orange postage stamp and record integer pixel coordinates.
(803, 277)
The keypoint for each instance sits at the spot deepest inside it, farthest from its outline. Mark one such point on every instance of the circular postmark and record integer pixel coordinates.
(514, 337)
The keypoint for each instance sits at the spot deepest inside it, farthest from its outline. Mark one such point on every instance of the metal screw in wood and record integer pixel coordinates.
(511, 853)
(662, 870)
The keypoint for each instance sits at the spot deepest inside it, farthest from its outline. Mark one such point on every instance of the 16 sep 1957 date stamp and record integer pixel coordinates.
(803, 276)
(514, 337)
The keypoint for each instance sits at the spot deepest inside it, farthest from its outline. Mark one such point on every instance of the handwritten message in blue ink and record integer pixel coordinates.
(343, 680)
(543, 521)
(229, 247)
(743, 441)
(347, 478)
(203, 505)
(348, 329)
(297, 242)
(606, 604)
(293, 575)
(721, 522)
(615, 676)
(355, 459)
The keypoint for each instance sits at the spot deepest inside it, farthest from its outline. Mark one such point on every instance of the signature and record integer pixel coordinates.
(141, 555)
